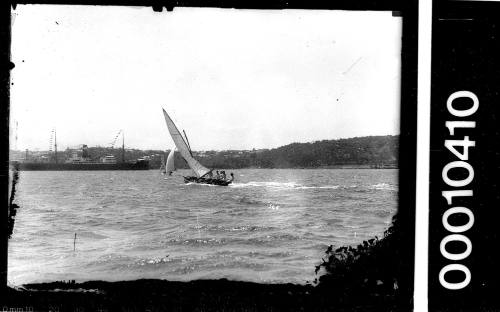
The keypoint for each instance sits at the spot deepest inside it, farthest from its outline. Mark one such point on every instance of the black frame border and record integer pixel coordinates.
(408, 112)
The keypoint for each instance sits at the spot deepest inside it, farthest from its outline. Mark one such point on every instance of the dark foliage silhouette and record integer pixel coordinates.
(367, 272)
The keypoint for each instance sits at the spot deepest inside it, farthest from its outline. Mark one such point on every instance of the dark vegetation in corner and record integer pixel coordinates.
(373, 271)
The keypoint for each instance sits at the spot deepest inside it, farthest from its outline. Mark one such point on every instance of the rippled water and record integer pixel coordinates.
(269, 226)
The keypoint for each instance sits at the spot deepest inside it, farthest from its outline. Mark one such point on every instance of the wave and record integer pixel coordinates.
(248, 200)
(218, 229)
(271, 184)
(153, 261)
(351, 226)
(207, 241)
(331, 187)
(281, 185)
(200, 184)
(273, 206)
(271, 254)
(384, 187)
(297, 186)
(272, 238)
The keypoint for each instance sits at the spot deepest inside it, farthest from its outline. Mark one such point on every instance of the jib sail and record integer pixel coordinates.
(170, 167)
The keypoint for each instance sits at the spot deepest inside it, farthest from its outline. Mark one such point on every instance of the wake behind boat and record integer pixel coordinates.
(202, 175)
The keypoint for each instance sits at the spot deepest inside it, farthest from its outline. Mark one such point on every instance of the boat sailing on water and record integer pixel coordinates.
(168, 167)
(202, 175)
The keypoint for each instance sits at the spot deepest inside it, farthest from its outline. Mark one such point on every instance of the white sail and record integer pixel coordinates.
(170, 167)
(183, 148)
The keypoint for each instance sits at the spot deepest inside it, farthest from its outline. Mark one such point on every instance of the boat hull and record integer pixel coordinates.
(140, 165)
(207, 181)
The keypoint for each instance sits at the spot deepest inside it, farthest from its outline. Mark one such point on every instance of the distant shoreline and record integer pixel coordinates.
(354, 153)
(338, 167)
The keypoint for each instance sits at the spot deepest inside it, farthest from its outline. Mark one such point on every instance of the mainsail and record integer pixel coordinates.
(183, 148)
(170, 162)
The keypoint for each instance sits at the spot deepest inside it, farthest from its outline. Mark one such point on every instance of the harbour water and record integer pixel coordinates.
(270, 225)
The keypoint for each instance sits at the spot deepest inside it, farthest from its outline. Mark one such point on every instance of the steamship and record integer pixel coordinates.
(80, 160)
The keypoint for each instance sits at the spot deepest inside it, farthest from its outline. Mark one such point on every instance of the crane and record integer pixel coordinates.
(53, 141)
(116, 138)
(123, 143)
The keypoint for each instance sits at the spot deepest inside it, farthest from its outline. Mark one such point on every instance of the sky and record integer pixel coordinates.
(233, 79)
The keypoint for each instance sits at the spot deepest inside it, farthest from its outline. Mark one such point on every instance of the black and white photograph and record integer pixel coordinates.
(209, 158)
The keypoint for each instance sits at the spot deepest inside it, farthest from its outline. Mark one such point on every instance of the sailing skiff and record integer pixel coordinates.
(202, 174)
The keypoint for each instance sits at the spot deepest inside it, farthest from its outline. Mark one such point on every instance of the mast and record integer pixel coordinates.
(55, 144)
(123, 146)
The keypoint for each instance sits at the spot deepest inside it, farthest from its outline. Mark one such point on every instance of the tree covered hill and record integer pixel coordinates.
(374, 151)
